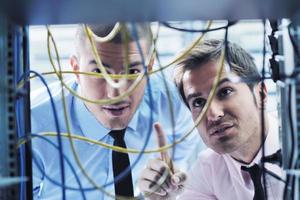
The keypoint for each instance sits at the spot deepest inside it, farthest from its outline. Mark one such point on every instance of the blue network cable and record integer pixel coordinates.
(21, 149)
(25, 76)
(69, 164)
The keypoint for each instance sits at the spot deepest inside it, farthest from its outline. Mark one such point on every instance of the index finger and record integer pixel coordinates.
(161, 140)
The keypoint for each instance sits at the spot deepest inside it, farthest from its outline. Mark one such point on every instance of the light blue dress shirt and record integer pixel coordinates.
(95, 159)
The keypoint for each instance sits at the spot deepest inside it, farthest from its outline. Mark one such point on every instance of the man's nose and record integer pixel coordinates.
(113, 92)
(215, 111)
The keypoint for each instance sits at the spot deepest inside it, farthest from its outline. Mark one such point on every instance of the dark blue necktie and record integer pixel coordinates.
(275, 158)
(255, 172)
(120, 162)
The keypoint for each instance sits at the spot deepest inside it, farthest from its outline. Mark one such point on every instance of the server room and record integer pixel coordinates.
(154, 100)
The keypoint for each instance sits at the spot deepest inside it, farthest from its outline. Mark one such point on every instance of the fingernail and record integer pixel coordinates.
(175, 179)
(162, 193)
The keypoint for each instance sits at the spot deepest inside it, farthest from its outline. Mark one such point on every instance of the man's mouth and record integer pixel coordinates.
(219, 129)
(115, 110)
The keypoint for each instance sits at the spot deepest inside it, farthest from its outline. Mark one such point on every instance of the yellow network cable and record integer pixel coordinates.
(109, 36)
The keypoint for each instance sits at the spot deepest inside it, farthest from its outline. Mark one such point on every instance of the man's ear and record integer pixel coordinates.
(75, 67)
(261, 94)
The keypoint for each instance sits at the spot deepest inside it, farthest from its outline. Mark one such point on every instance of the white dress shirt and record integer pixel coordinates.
(216, 176)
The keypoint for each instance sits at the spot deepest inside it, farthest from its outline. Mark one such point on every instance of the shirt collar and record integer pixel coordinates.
(133, 123)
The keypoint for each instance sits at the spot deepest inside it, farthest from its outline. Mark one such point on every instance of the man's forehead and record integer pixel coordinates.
(208, 71)
(121, 49)
(199, 75)
(116, 44)
(200, 80)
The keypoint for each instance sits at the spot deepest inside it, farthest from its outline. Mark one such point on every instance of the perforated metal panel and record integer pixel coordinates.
(8, 151)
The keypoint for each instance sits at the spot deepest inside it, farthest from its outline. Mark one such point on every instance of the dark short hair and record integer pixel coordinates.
(143, 31)
(240, 61)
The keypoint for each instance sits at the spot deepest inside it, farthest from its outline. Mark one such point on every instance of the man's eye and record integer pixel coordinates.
(96, 70)
(224, 92)
(134, 71)
(198, 103)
